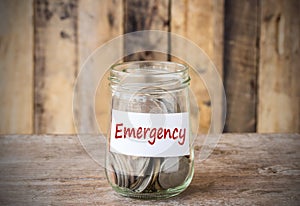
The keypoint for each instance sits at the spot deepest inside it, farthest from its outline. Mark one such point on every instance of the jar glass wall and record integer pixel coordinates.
(150, 149)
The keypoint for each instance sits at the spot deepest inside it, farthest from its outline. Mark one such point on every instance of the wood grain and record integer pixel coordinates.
(279, 88)
(201, 22)
(241, 54)
(43, 43)
(146, 15)
(16, 67)
(55, 64)
(98, 22)
(244, 169)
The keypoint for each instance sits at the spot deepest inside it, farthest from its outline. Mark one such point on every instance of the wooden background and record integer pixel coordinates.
(254, 44)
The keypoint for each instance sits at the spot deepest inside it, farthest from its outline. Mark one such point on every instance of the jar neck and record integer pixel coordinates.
(154, 76)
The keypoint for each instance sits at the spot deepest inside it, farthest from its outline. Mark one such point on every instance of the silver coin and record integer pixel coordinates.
(150, 105)
(121, 170)
(147, 178)
(139, 169)
(136, 183)
(173, 172)
(169, 101)
(145, 102)
(138, 165)
(121, 180)
(117, 168)
(133, 170)
(125, 169)
(143, 172)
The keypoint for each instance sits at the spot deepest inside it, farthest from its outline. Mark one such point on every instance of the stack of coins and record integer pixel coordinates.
(148, 174)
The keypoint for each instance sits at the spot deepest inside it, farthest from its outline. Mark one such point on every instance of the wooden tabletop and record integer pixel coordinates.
(244, 169)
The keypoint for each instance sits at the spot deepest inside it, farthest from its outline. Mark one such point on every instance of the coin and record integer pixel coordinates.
(119, 170)
(152, 184)
(136, 183)
(116, 168)
(147, 178)
(139, 168)
(169, 102)
(156, 169)
(173, 172)
(130, 170)
(145, 102)
(125, 169)
(138, 165)
(157, 185)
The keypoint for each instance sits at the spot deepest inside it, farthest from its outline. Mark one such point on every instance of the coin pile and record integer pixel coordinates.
(147, 174)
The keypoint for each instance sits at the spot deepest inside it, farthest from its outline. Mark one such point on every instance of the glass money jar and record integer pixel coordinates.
(149, 144)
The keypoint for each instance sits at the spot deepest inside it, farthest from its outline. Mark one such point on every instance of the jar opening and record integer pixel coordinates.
(160, 74)
(151, 67)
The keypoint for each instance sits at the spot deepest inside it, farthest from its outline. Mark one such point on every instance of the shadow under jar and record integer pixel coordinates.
(149, 152)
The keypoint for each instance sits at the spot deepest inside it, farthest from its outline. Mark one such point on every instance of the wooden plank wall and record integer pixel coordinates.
(201, 21)
(254, 44)
(279, 68)
(146, 15)
(56, 64)
(16, 66)
(98, 22)
(241, 50)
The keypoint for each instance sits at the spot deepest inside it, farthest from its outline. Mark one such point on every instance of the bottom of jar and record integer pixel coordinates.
(163, 194)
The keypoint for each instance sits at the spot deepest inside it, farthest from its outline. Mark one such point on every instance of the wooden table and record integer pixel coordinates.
(244, 169)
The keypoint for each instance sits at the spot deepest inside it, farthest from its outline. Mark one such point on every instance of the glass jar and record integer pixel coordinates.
(150, 151)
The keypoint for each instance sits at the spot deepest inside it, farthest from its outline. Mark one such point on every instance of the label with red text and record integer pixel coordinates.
(149, 134)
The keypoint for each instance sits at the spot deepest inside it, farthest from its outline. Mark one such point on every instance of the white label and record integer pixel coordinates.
(150, 135)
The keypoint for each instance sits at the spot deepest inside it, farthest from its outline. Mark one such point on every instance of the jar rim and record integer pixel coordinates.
(119, 67)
